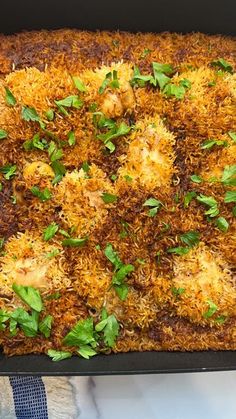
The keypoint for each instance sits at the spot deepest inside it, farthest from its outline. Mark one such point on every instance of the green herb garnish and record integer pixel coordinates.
(222, 224)
(229, 175)
(211, 142)
(10, 99)
(36, 142)
(9, 171)
(111, 80)
(188, 198)
(109, 198)
(222, 65)
(30, 296)
(211, 310)
(79, 84)
(190, 238)
(177, 291)
(44, 195)
(50, 231)
(50, 115)
(70, 242)
(45, 326)
(230, 196)
(110, 328)
(71, 138)
(232, 135)
(3, 134)
(196, 179)
(209, 201)
(155, 205)
(58, 355)
(72, 101)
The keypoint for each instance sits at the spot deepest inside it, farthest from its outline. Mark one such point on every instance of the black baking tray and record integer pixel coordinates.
(208, 16)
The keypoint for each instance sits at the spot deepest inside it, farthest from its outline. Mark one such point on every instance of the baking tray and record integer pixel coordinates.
(208, 16)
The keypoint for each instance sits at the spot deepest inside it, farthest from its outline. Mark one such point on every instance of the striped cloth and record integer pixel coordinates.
(29, 397)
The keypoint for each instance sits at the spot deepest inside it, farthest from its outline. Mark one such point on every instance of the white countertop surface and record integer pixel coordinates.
(209, 395)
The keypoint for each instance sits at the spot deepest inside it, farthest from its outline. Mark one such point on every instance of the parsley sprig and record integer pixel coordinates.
(120, 273)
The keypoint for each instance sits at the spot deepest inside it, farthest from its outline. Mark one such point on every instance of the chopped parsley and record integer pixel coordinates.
(196, 179)
(30, 296)
(114, 131)
(211, 310)
(52, 254)
(59, 170)
(190, 238)
(110, 328)
(229, 175)
(155, 205)
(27, 322)
(113, 177)
(71, 138)
(54, 152)
(85, 167)
(9, 171)
(145, 52)
(222, 65)
(71, 242)
(58, 355)
(177, 291)
(179, 250)
(188, 198)
(45, 326)
(81, 334)
(50, 231)
(55, 296)
(30, 114)
(120, 273)
(50, 115)
(36, 142)
(212, 142)
(173, 90)
(44, 195)
(222, 224)
(72, 101)
(209, 201)
(111, 80)
(109, 198)
(232, 135)
(230, 196)
(79, 84)
(9, 97)
(3, 134)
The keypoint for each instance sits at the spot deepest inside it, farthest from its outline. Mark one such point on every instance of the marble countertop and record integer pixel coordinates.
(168, 396)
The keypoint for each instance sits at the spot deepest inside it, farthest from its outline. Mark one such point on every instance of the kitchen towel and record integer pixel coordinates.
(27, 397)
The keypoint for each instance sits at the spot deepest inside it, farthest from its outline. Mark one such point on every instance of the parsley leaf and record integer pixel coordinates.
(222, 224)
(86, 351)
(10, 99)
(188, 198)
(54, 152)
(196, 179)
(81, 334)
(111, 80)
(59, 170)
(115, 132)
(174, 90)
(9, 171)
(55, 296)
(44, 195)
(145, 52)
(70, 242)
(50, 115)
(177, 291)
(191, 238)
(79, 84)
(112, 256)
(229, 175)
(211, 310)
(232, 135)
(210, 202)
(110, 328)
(155, 204)
(58, 355)
(30, 114)
(85, 167)
(50, 231)
(222, 65)
(45, 326)
(211, 142)
(140, 79)
(121, 271)
(179, 250)
(28, 323)
(71, 138)
(230, 196)
(72, 101)
(36, 142)
(109, 198)
(30, 296)
(3, 134)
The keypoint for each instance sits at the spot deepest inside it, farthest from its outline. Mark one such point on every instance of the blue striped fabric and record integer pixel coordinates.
(29, 397)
